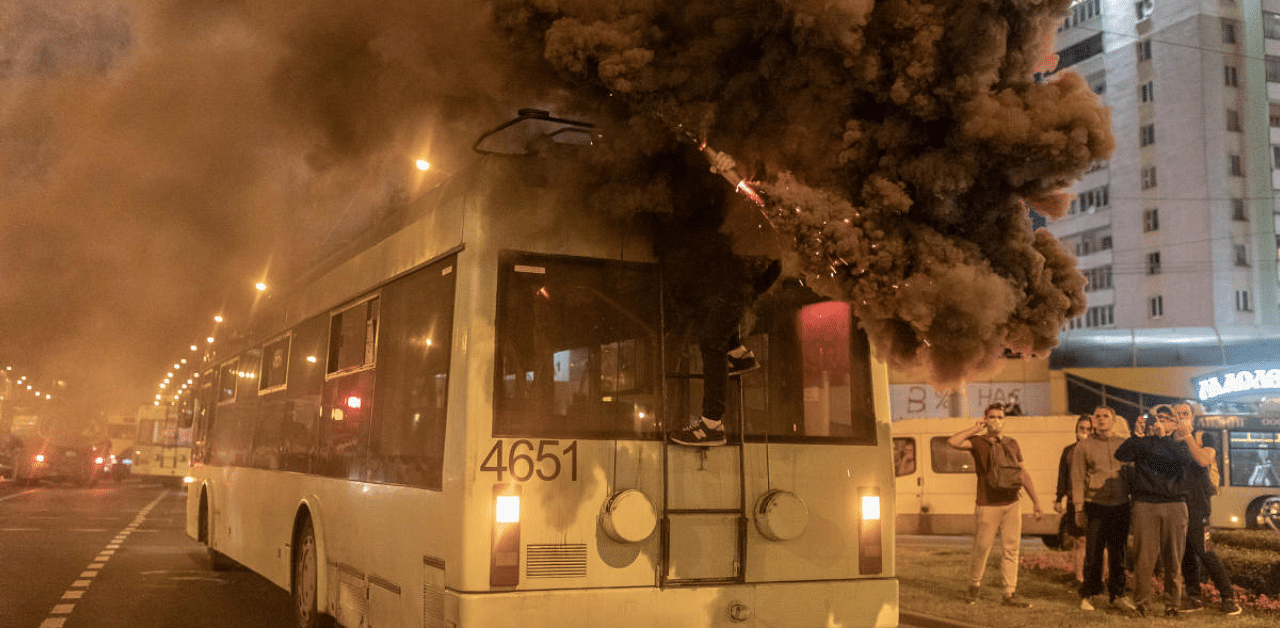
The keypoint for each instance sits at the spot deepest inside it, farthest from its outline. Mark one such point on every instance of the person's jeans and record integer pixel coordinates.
(1007, 520)
(1198, 551)
(1106, 529)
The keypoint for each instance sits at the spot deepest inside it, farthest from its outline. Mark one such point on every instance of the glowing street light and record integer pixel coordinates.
(422, 165)
(217, 318)
(262, 287)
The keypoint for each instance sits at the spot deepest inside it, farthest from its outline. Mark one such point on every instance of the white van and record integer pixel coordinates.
(936, 483)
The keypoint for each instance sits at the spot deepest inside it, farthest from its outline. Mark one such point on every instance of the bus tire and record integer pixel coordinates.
(214, 560)
(304, 586)
(1264, 513)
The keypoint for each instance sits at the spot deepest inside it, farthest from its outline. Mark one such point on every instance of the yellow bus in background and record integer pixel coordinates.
(162, 449)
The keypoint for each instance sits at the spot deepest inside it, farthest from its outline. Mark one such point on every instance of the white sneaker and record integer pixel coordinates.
(1085, 604)
(1124, 603)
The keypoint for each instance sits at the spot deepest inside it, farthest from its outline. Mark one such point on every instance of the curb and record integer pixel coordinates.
(920, 620)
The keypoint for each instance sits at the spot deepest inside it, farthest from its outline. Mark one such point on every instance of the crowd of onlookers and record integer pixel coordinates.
(1154, 485)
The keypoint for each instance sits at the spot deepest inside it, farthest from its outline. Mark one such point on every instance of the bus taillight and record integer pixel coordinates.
(504, 559)
(870, 545)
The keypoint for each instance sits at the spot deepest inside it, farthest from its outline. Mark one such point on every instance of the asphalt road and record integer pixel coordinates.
(117, 556)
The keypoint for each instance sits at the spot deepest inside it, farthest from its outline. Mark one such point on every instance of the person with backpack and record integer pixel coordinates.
(1201, 486)
(1000, 479)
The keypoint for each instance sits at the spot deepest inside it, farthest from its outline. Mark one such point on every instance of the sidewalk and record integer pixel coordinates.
(907, 619)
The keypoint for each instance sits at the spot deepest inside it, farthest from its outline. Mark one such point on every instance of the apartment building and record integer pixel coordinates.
(1178, 228)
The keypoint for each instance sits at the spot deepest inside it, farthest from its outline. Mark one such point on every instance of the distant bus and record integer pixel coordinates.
(936, 483)
(1248, 460)
(463, 424)
(162, 449)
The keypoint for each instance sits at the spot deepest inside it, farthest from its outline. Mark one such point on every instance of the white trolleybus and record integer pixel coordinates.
(462, 424)
(1248, 448)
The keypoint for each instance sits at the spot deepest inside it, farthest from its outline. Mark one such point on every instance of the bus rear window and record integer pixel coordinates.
(577, 348)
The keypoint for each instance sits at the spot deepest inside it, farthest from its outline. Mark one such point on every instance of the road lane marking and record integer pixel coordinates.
(32, 490)
(81, 585)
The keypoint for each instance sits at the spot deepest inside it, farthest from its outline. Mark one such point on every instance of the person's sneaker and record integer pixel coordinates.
(699, 435)
(1085, 604)
(973, 594)
(1140, 610)
(1013, 600)
(1229, 607)
(1124, 603)
(1191, 605)
(744, 364)
(1170, 612)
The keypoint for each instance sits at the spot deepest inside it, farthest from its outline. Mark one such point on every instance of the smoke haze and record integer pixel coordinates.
(158, 157)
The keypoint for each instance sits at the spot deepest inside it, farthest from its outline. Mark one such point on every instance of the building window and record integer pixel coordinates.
(1272, 63)
(1153, 263)
(1228, 31)
(1275, 116)
(1242, 255)
(1076, 53)
(1229, 76)
(1090, 201)
(1100, 316)
(1147, 135)
(1148, 177)
(1143, 8)
(1238, 210)
(1271, 25)
(1099, 278)
(1233, 120)
(1150, 219)
(1147, 91)
(1275, 156)
(1157, 306)
(1082, 12)
(1237, 167)
(1242, 301)
(1144, 50)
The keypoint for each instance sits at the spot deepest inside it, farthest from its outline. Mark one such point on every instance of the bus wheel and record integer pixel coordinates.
(214, 560)
(1265, 513)
(305, 580)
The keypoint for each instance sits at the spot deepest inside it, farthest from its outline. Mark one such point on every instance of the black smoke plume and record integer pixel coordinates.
(899, 145)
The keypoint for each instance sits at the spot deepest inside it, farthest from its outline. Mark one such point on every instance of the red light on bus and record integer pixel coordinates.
(504, 558)
(870, 542)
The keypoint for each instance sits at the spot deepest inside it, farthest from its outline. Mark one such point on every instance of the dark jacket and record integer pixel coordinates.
(1161, 466)
(1064, 473)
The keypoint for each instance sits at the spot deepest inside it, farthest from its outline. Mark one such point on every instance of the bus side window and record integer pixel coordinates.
(948, 460)
(904, 456)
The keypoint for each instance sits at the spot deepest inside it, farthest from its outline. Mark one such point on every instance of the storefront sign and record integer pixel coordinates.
(1226, 383)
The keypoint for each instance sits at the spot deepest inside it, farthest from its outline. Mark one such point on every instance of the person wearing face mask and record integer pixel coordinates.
(1063, 503)
(1199, 549)
(1096, 482)
(1162, 462)
(997, 510)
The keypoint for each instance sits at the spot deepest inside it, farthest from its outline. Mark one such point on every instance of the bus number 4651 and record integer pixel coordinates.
(521, 461)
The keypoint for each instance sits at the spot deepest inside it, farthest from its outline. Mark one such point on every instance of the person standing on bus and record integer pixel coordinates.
(1097, 484)
(1064, 505)
(1199, 549)
(709, 287)
(997, 510)
(1162, 462)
